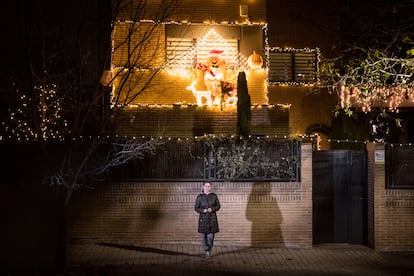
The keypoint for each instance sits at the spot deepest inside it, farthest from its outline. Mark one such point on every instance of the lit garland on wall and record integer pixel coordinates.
(180, 65)
(267, 55)
(258, 106)
(347, 141)
(294, 50)
(314, 51)
(143, 137)
(242, 59)
(211, 40)
(185, 22)
(304, 138)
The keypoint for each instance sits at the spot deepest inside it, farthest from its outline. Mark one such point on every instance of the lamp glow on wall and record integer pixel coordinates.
(244, 10)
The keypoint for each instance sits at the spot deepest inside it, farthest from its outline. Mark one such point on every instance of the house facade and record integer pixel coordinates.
(172, 84)
(188, 70)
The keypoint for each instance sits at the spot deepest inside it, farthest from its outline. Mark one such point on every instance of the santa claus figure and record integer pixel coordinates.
(215, 74)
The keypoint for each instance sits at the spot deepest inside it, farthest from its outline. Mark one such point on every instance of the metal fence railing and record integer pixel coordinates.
(399, 166)
(219, 159)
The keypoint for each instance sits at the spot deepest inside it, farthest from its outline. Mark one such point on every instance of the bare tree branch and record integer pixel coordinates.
(65, 101)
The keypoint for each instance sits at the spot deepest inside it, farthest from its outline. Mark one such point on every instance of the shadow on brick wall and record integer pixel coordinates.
(264, 213)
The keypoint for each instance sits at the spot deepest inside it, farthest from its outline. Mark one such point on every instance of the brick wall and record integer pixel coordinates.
(258, 214)
(307, 108)
(198, 11)
(167, 89)
(370, 196)
(393, 210)
(190, 121)
(219, 11)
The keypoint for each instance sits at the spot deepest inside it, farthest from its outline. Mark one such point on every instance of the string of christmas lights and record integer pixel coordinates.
(391, 97)
(194, 105)
(115, 137)
(185, 22)
(38, 116)
(267, 55)
(315, 52)
(199, 52)
(181, 63)
(127, 137)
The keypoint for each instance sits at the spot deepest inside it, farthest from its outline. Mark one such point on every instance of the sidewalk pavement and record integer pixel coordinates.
(188, 259)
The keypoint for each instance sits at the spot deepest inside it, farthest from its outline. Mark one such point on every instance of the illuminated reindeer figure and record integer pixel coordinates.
(199, 94)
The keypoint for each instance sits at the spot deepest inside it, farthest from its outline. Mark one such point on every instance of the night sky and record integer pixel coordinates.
(33, 25)
(12, 49)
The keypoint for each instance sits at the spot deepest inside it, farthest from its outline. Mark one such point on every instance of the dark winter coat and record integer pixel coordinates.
(207, 222)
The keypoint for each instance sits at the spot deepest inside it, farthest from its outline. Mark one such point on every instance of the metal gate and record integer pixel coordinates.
(339, 197)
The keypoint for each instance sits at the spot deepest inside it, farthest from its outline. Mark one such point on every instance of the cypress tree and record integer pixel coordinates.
(243, 106)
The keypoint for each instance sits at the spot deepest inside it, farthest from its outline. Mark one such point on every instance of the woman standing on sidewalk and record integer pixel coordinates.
(207, 204)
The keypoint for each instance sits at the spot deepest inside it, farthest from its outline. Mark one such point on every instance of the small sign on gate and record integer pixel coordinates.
(379, 156)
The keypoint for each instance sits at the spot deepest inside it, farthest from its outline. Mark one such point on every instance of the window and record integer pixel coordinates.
(181, 52)
(292, 66)
(188, 45)
(186, 53)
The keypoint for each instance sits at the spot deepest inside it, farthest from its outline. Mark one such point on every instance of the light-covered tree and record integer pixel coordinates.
(375, 72)
(378, 80)
(65, 101)
(78, 91)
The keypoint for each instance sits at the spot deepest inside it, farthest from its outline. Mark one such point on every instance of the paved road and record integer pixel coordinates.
(177, 259)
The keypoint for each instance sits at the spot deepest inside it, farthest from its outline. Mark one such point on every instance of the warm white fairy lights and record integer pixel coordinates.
(184, 63)
(304, 138)
(391, 98)
(37, 117)
(184, 105)
(313, 51)
(378, 80)
(199, 52)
